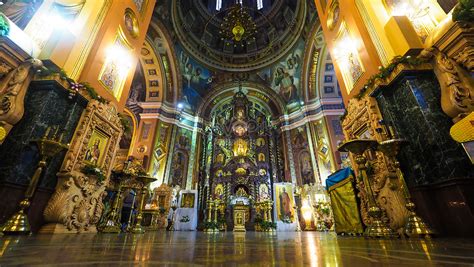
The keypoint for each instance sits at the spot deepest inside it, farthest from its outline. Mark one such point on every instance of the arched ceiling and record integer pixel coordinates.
(256, 92)
(198, 29)
(200, 77)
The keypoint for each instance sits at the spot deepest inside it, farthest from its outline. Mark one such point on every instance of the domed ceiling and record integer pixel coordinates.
(238, 37)
(215, 45)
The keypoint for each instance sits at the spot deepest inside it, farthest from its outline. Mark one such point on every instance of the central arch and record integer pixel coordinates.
(258, 92)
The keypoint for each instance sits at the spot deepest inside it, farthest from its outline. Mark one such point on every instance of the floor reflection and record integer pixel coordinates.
(264, 249)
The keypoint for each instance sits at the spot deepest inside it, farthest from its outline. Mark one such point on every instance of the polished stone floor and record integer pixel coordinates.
(246, 249)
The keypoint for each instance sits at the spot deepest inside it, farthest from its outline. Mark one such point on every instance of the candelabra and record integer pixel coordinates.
(377, 227)
(415, 225)
(48, 146)
(137, 227)
(112, 222)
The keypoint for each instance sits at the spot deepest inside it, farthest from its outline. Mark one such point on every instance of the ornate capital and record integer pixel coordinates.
(13, 87)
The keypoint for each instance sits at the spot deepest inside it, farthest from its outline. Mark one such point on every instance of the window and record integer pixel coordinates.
(218, 4)
(259, 4)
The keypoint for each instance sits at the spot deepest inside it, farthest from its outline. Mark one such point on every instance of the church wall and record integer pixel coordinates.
(407, 97)
(153, 73)
(412, 106)
(112, 28)
(160, 151)
(19, 156)
(143, 146)
(196, 80)
(358, 41)
(336, 136)
(436, 168)
(182, 158)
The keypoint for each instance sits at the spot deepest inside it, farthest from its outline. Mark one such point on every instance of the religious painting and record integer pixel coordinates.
(219, 191)
(146, 130)
(285, 202)
(306, 169)
(96, 148)
(334, 15)
(285, 76)
(220, 158)
(110, 75)
(126, 139)
(263, 193)
(328, 89)
(196, 79)
(113, 73)
(131, 23)
(348, 58)
(179, 168)
(187, 200)
(355, 66)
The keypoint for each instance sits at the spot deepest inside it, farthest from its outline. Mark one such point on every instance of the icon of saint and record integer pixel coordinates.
(285, 205)
(93, 153)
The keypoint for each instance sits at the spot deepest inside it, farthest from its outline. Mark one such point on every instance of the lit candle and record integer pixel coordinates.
(56, 132)
(392, 131)
(46, 134)
(60, 140)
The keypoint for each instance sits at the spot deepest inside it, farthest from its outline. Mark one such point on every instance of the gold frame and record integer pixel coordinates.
(118, 89)
(135, 31)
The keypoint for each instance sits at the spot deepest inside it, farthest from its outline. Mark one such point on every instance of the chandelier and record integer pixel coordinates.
(238, 25)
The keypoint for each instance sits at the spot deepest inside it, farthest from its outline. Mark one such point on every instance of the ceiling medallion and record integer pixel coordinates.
(238, 25)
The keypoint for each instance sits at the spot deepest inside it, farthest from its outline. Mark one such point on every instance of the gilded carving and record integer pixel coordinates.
(466, 58)
(4, 68)
(13, 87)
(76, 205)
(363, 121)
(457, 87)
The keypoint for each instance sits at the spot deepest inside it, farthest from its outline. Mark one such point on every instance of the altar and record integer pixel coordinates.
(240, 210)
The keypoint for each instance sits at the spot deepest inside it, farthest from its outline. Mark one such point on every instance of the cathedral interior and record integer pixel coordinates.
(253, 132)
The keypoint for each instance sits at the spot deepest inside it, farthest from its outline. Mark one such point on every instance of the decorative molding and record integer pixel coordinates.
(76, 204)
(362, 121)
(13, 89)
(457, 87)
